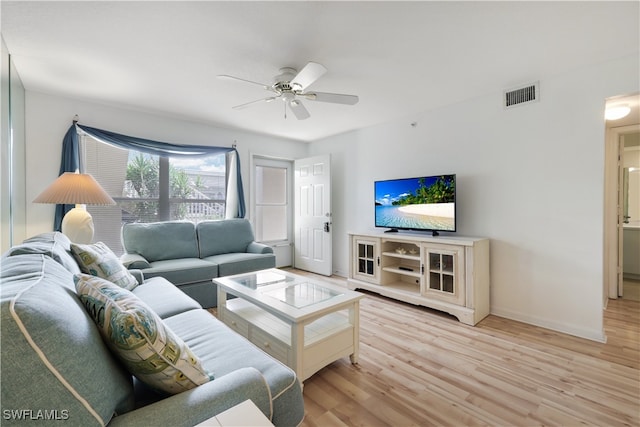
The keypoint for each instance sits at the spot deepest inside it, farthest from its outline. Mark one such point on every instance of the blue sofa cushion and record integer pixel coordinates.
(164, 298)
(226, 236)
(236, 263)
(53, 244)
(224, 351)
(47, 333)
(183, 270)
(157, 241)
(150, 350)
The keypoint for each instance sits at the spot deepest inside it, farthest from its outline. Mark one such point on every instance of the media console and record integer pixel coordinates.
(449, 274)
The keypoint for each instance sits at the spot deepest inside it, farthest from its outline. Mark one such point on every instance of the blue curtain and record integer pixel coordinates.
(70, 163)
(239, 189)
(148, 146)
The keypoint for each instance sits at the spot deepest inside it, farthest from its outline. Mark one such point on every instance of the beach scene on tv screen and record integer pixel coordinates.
(418, 203)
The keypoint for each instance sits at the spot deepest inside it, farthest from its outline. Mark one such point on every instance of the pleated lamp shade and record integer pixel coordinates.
(76, 189)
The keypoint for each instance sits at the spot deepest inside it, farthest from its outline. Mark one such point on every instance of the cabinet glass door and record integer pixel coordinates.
(366, 262)
(444, 271)
(441, 267)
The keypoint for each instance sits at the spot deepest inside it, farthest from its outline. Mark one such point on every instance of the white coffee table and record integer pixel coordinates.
(242, 415)
(305, 323)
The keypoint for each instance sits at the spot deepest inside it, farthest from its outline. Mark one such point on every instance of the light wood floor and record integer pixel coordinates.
(419, 367)
(631, 289)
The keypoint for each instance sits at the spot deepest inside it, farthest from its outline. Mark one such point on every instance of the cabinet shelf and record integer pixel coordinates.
(396, 269)
(403, 287)
(314, 332)
(415, 257)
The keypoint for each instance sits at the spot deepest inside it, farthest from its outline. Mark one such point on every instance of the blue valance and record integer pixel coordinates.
(71, 160)
(156, 148)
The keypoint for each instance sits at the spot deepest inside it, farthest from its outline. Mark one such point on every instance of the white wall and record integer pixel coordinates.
(49, 117)
(529, 178)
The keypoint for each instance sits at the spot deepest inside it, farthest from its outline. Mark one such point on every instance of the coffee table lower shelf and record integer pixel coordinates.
(325, 339)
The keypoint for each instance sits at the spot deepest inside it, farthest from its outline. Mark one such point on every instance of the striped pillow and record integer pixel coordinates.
(135, 333)
(98, 260)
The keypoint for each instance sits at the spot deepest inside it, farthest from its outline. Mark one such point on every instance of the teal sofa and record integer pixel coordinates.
(190, 255)
(56, 368)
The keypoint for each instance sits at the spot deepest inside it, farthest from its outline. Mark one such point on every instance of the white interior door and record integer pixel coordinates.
(312, 218)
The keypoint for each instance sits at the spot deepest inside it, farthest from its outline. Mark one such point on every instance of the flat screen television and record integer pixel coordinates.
(426, 203)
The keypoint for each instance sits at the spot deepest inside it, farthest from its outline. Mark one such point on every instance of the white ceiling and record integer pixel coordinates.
(400, 58)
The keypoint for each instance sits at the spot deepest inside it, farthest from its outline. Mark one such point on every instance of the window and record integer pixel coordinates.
(150, 188)
(272, 204)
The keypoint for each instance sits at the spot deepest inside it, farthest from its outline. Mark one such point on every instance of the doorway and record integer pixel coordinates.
(291, 210)
(618, 134)
(630, 196)
(271, 206)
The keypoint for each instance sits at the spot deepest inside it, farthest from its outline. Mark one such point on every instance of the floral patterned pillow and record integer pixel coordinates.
(135, 333)
(98, 260)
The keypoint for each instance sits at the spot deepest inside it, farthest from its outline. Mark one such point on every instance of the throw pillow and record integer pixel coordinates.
(98, 260)
(135, 333)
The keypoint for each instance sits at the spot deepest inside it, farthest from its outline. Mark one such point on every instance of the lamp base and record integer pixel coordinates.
(77, 225)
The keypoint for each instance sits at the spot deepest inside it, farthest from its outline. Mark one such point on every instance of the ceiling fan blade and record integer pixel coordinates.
(241, 106)
(309, 74)
(336, 98)
(299, 110)
(227, 77)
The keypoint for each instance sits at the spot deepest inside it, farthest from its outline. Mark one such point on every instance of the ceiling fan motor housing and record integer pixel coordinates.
(282, 81)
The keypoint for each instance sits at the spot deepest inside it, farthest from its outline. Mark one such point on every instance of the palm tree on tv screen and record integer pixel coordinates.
(441, 191)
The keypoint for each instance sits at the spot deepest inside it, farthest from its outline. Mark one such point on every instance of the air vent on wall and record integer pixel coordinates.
(521, 95)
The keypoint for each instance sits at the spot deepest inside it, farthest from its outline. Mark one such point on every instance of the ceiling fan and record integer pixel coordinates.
(290, 86)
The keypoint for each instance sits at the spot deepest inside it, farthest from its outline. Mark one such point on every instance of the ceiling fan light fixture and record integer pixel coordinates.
(287, 96)
(616, 112)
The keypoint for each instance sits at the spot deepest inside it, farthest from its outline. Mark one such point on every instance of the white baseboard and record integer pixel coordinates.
(340, 274)
(575, 330)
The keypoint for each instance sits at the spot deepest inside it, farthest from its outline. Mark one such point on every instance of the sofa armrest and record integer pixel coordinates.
(259, 248)
(138, 274)
(134, 261)
(203, 402)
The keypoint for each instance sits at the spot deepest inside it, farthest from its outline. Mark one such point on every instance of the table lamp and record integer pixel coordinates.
(78, 189)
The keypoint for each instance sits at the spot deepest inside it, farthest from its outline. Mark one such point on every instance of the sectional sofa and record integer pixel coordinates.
(58, 364)
(189, 255)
